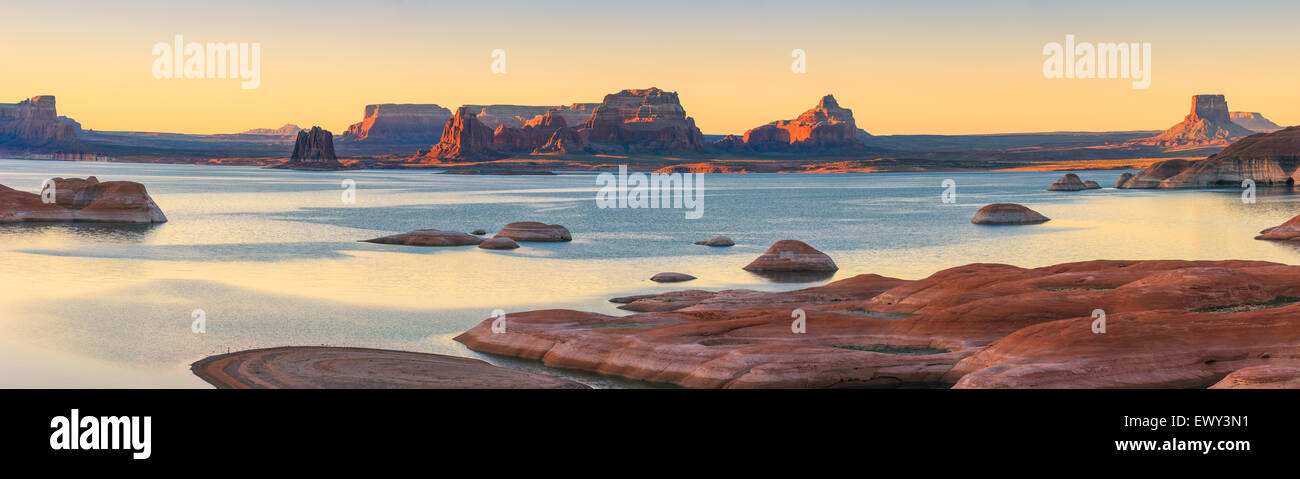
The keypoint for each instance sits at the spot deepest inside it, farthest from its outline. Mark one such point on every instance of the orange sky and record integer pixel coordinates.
(922, 67)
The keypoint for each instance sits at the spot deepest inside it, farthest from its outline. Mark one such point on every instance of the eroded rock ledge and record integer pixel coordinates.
(1170, 324)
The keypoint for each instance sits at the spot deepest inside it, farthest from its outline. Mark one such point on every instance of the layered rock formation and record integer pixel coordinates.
(406, 123)
(565, 140)
(641, 121)
(516, 116)
(313, 150)
(1254, 122)
(1156, 173)
(1283, 375)
(316, 367)
(464, 138)
(1270, 159)
(826, 126)
(1007, 214)
(534, 134)
(428, 237)
(534, 231)
(87, 200)
(1167, 324)
(1209, 123)
(35, 123)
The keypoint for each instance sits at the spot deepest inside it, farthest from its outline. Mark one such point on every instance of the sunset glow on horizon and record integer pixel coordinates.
(903, 69)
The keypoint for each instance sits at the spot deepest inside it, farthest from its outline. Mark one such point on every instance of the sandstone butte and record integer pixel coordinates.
(314, 367)
(1209, 123)
(633, 121)
(464, 138)
(1169, 324)
(1007, 214)
(313, 150)
(85, 200)
(1254, 121)
(35, 123)
(1068, 182)
(428, 237)
(826, 126)
(534, 231)
(1269, 159)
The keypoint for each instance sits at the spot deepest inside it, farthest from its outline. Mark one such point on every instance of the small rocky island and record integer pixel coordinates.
(81, 200)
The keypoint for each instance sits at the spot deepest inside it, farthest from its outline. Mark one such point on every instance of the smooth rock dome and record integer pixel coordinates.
(1068, 182)
(717, 241)
(792, 256)
(1007, 214)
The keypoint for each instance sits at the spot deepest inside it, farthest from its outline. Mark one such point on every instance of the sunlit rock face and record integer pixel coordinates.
(824, 127)
(464, 138)
(35, 123)
(641, 121)
(1209, 123)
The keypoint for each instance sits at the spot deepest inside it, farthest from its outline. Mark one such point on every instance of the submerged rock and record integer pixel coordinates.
(428, 237)
(669, 277)
(1007, 214)
(1092, 185)
(498, 243)
(717, 241)
(534, 231)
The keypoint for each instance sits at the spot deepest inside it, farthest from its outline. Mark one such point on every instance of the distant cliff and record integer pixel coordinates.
(1254, 122)
(1208, 124)
(35, 123)
(825, 127)
(399, 123)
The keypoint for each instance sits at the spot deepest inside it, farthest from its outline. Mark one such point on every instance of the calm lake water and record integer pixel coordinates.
(272, 257)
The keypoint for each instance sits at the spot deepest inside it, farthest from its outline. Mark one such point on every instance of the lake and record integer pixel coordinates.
(272, 258)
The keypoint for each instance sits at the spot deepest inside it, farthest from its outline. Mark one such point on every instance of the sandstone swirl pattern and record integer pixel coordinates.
(312, 367)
